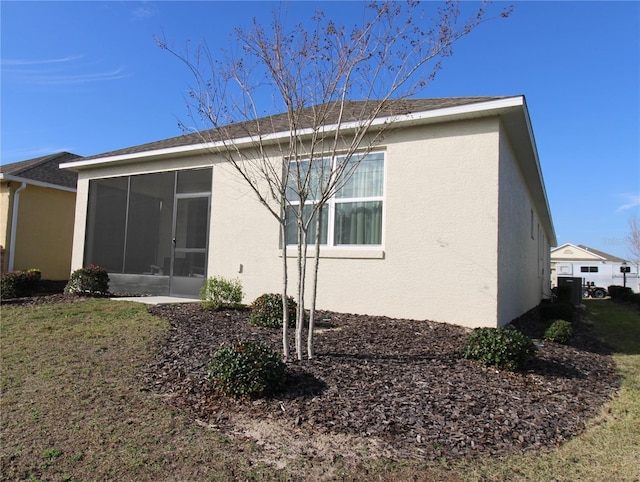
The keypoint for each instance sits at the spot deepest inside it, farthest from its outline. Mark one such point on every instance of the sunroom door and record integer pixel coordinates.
(190, 236)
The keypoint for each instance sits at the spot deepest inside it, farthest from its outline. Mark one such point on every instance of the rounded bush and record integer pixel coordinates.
(218, 292)
(92, 280)
(624, 294)
(247, 369)
(560, 331)
(19, 284)
(503, 348)
(616, 291)
(266, 311)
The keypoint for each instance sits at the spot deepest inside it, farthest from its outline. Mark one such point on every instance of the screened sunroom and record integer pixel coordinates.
(150, 231)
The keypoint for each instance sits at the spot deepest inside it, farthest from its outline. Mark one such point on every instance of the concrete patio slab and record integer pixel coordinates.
(157, 300)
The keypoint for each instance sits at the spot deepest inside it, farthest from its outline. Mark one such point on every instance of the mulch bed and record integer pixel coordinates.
(403, 383)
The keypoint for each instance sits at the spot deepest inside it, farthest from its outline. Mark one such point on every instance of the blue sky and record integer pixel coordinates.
(87, 77)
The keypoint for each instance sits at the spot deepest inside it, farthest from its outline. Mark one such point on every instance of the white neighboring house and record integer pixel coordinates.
(447, 220)
(593, 266)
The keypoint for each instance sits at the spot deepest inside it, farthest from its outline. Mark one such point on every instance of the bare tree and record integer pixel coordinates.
(313, 74)
(633, 239)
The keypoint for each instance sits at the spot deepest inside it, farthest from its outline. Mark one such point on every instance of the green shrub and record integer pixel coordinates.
(616, 291)
(247, 369)
(624, 294)
(556, 311)
(560, 331)
(219, 292)
(500, 347)
(90, 281)
(19, 284)
(266, 311)
(633, 298)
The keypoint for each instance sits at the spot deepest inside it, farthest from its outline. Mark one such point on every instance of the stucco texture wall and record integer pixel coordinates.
(44, 232)
(523, 245)
(443, 244)
(439, 255)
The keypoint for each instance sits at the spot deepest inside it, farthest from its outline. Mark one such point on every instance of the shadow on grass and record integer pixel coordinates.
(616, 324)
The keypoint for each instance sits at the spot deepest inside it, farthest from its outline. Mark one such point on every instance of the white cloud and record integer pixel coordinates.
(68, 70)
(27, 62)
(144, 12)
(630, 201)
(80, 78)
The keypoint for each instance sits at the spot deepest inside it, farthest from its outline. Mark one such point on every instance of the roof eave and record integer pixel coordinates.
(577, 248)
(495, 107)
(601, 255)
(429, 116)
(32, 182)
(531, 167)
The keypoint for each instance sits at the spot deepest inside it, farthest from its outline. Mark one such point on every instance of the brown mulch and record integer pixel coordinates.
(402, 383)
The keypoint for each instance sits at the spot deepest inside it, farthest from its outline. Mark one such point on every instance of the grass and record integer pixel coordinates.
(72, 409)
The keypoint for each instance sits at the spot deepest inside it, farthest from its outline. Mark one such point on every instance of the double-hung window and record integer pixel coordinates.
(353, 215)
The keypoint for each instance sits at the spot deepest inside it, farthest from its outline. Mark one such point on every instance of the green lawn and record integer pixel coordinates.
(72, 409)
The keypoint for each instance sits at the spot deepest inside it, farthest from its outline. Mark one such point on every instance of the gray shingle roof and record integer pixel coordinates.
(607, 256)
(44, 169)
(279, 122)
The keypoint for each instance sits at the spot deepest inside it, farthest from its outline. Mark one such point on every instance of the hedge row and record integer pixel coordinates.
(623, 294)
(19, 284)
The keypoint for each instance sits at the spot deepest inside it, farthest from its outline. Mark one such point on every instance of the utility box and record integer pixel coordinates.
(573, 286)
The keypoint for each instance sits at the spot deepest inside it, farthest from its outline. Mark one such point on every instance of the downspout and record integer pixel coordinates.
(14, 225)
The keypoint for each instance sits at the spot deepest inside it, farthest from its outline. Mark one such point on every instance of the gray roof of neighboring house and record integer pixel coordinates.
(280, 122)
(43, 170)
(607, 256)
(602, 254)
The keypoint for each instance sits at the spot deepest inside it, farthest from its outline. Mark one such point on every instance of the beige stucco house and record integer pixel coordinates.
(37, 206)
(447, 219)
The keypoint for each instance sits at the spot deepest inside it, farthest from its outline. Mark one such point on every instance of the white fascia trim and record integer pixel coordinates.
(31, 182)
(563, 246)
(536, 158)
(488, 106)
(578, 248)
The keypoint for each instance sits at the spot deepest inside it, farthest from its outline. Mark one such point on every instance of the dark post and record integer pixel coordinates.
(624, 269)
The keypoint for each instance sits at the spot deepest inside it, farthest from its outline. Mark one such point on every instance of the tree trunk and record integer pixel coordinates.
(302, 267)
(285, 279)
(314, 289)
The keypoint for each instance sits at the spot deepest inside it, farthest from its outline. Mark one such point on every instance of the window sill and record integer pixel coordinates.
(339, 253)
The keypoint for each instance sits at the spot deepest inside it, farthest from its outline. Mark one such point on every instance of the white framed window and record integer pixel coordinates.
(353, 216)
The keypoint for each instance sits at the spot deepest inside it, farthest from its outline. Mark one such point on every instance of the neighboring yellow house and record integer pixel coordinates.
(37, 205)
